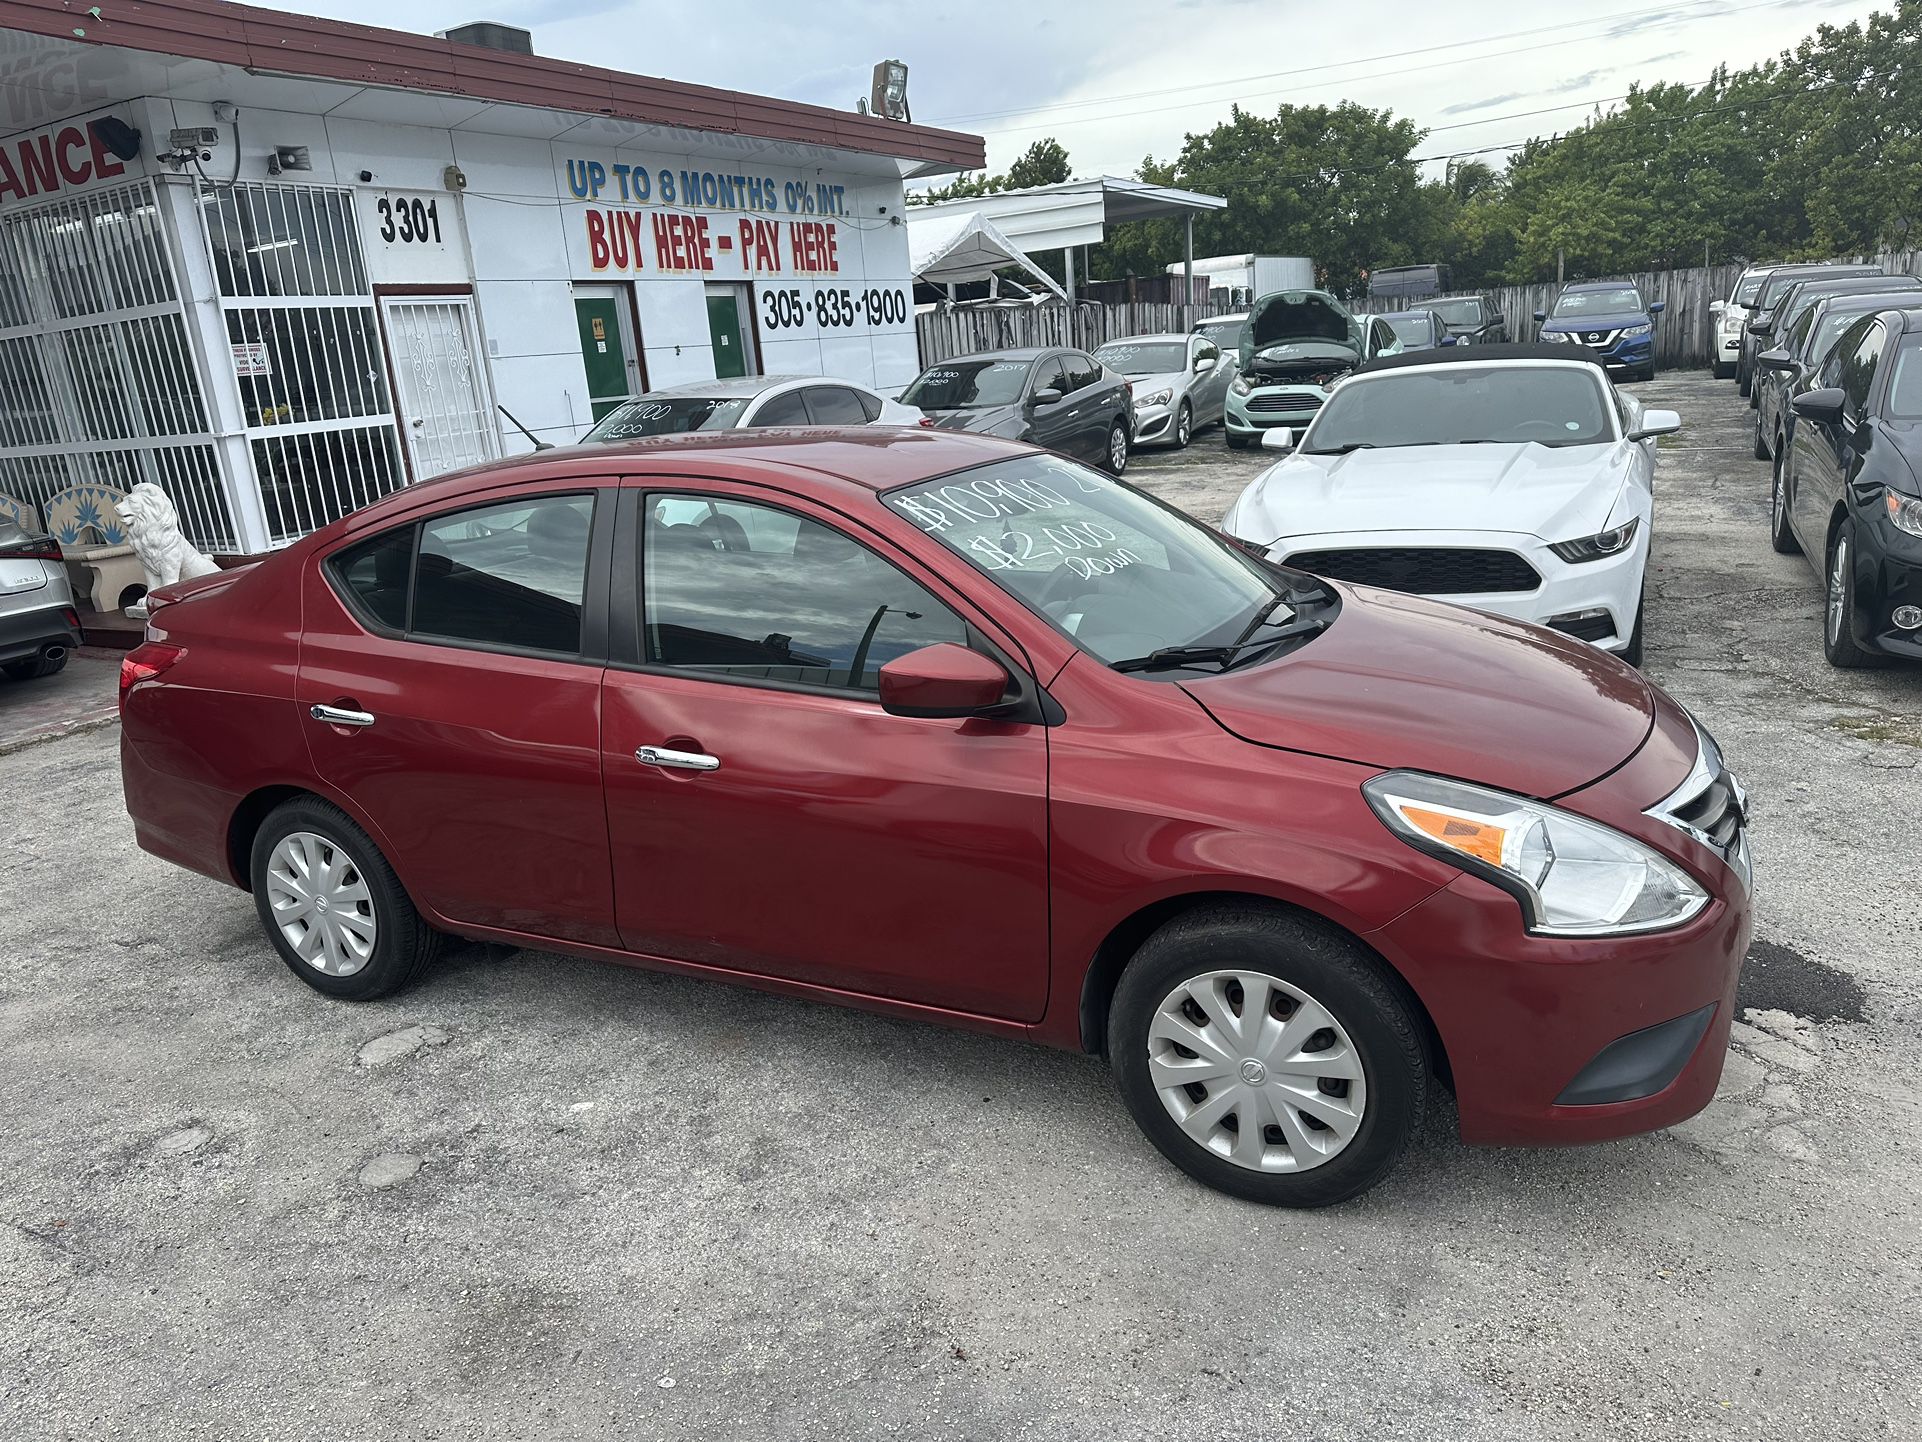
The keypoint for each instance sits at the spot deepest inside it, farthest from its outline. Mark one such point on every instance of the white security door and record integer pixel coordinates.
(445, 416)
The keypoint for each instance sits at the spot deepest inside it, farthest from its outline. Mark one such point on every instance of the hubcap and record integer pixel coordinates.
(1257, 1071)
(1181, 426)
(1117, 448)
(1838, 590)
(321, 904)
(1779, 499)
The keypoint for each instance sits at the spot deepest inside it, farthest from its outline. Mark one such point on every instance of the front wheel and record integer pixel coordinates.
(1117, 449)
(1780, 536)
(1761, 445)
(1838, 619)
(333, 907)
(1632, 652)
(1721, 372)
(1268, 1056)
(1184, 426)
(1237, 443)
(1742, 379)
(1646, 373)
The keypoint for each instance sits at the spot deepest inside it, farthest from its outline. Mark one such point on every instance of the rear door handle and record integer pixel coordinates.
(675, 760)
(340, 716)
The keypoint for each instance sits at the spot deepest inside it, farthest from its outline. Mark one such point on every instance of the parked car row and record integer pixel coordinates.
(1830, 356)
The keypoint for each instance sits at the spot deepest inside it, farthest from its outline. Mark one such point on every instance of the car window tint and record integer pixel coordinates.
(1905, 385)
(1206, 349)
(1799, 332)
(377, 573)
(512, 574)
(1083, 371)
(1831, 373)
(1858, 370)
(786, 409)
(870, 405)
(761, 593)
(834, 406)
(1052, 372)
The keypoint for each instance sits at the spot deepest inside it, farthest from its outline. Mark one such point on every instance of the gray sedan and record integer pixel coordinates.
(38, 624)
(1180, 384)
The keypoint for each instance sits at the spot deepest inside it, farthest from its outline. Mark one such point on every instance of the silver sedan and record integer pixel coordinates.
(1180, 384)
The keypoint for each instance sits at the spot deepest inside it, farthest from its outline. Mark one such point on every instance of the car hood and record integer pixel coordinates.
(1399, 682)
(1161, 380)
(1616, 321)
(1556, 493)
(983, 420)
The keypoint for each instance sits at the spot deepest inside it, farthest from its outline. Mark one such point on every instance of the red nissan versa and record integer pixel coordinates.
(948, 727)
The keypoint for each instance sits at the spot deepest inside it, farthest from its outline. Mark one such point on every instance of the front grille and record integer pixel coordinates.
(1299, 401)
(1711, 806)
(1598, 338)
(1426, 571)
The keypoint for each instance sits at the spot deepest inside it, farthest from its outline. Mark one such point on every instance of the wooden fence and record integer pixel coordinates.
(1684, 333)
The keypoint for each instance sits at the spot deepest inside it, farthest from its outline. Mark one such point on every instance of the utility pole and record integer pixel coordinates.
(1558, 265)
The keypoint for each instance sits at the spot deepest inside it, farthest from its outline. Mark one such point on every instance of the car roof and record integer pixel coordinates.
(1481, 354)
(1179, 336)
(732, 386)
(1413, 311)
(1840, 284)
(1910, 316)
(1466, 295)
(1601, 285)
(1013, 353)
(1857, 300)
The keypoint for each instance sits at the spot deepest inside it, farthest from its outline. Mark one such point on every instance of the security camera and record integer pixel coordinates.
(366, 176)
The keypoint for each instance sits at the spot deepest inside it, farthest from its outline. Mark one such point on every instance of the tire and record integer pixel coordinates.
(403, 944)
(1838, 605)
(1372, 1032)
(1235, 442)
(1780, 535)
(1184, 426)
(1632, 652)
(1742, 379)
(1721, 372)
(35, 668)
(1646, 373)
(1760, 444)
(1116, 460)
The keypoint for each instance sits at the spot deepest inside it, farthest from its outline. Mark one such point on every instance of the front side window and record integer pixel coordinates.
(969, 385)
(1122, 575)
(1858, 370)
(1616, 300)
(1552, 405)
(511, 575)
(737, 589)
(1798, 334)
(668, 416)
(1905, 384)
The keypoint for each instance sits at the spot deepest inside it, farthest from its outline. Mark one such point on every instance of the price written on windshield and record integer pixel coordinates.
(831, 307)
(1086, 547)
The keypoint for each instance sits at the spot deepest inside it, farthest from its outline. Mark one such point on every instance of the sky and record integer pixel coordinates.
(1117, 80)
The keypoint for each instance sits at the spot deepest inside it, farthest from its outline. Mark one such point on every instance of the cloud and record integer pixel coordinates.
(1468, 106)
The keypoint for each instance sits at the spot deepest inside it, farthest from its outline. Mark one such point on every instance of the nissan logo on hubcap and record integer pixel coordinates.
(1253, 1072)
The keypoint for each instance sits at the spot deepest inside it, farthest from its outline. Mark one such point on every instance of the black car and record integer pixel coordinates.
(1065, 400)
(1472, 318)
(1418, 329)
(1774, 286)
(1790, 349)
(1849, 494)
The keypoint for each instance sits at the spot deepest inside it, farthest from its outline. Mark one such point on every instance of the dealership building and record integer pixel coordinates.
(282, 266)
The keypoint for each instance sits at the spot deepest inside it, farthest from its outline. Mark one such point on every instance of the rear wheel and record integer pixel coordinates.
(35, 667)
(1838, 618)
(1742, 378)
(1117, 449)
(333, 907)
(1780, 536)
(1268, 1056)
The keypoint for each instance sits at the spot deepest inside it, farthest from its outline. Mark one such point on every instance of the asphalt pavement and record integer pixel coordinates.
(542, 1197)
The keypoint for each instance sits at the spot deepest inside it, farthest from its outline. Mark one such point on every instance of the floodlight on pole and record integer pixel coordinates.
(888, 95)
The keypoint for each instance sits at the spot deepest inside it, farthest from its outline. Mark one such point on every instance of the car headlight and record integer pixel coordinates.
(1571, 876)
(1159, 398)
(1905, 512)
(1637, 329)
(1552, 336)
(1600, 545)
(1239, 385)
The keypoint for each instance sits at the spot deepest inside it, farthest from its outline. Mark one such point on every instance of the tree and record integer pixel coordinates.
(1043, 163)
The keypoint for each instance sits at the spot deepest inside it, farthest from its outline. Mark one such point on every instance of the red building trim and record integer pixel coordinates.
(309, 47)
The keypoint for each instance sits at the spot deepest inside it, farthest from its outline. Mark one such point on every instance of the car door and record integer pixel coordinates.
(813, 836)
(1052, 425)
(449, 680)
(1824, 452)
(1210, 387)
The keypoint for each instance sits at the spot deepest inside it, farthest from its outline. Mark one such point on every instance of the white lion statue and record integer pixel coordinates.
(153, 529)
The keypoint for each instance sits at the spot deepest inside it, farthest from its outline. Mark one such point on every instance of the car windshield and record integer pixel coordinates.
(1749, 287)
(1829, 329)
(1123, 575)
(1552, 405)
(668, 416)
(1905, 385)
(969, 385)
(1778, 283)
(1224, 333)
(1617, 300)
(1458, 312)
(1410, 327)
(1144, 358)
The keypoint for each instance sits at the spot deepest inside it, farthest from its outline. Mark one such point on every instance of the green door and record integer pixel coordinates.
(602, 352)
(724, 328)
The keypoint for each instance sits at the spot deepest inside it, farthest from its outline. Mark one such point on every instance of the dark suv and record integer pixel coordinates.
(1065, 400)
(1471, 319)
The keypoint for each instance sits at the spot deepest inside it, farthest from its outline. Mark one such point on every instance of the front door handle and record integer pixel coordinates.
(340, 716)
(674, 760)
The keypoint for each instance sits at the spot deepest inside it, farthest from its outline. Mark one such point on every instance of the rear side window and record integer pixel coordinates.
(786, 409)
(510, 576)
(835, 406)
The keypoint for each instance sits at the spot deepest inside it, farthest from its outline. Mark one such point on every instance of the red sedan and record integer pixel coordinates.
(948, 727)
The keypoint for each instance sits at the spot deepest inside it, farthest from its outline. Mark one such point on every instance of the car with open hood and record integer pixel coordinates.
(1063, 399)
(1514, 479)
(1180, 383)
(1608, 317)
(1295, 346)
(957, 730)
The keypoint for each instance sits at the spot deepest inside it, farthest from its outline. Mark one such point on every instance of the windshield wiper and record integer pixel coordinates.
(1343, 450)
(1304, 623)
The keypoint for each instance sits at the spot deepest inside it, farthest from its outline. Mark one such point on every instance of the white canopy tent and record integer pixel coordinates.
(958, 246)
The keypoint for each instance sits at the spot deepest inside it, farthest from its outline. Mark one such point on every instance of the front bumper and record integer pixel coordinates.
(1888, 574)
(1612, 585)
(1266, 407)
(26, 634)
(1155, 425)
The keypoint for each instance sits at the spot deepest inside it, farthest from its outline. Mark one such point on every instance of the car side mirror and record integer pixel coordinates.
(1048, 395)
(1540, 316)
(1656, 423)
(943, 680)
(1493, 321)
(1716, 307)
(1281, 438)
(1656, 307)
(1204, 364)
(1823, 406)
(1760, 327)
(1776, 360)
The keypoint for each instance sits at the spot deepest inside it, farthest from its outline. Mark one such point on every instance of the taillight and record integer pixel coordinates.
(927, 421)
(146, 662)
(34, 548)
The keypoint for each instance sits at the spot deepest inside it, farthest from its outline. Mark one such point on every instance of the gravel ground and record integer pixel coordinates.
(540, 1197)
